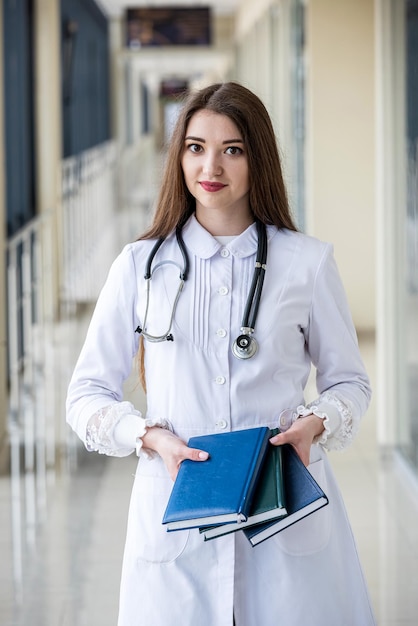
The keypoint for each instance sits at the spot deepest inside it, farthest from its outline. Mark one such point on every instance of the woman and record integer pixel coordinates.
(223, 186)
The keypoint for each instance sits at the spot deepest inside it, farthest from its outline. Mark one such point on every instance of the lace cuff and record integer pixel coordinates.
(340, 427)
(149, 422)
(313, 409)
(101, 430)
(101, 426)
(288, 416)
(341, 436)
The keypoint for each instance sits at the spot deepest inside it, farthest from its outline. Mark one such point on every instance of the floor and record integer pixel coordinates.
(62, 566)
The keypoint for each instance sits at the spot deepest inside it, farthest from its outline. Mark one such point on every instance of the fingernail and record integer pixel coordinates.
(203, 455)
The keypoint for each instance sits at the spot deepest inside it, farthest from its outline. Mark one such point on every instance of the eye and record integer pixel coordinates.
(234, 151)
(194, 147)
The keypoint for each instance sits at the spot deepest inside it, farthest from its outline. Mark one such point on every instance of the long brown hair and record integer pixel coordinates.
(268, 198)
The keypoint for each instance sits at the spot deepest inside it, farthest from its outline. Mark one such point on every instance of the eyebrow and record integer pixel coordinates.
(227, 141)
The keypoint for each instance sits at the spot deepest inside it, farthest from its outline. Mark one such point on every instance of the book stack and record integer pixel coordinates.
(246, 484)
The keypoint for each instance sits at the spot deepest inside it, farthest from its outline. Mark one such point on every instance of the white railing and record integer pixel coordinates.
(31, 415)
(38, 343)
(43, 276)
(90, 215)
(88, 208)
(51, 269)
(138, 170)
(30, 320)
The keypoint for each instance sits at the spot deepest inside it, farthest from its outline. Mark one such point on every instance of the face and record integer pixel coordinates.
(215, 168)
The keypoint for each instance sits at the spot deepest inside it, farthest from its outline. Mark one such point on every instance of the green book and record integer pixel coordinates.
(303, 497)
(268, 502)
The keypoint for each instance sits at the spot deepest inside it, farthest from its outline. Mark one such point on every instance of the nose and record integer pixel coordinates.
(212, 165)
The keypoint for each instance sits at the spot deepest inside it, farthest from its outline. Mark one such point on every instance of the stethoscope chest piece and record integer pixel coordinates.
(244, 347)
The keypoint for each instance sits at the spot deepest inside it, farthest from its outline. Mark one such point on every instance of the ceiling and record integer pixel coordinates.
(156, 64)
(117, 7)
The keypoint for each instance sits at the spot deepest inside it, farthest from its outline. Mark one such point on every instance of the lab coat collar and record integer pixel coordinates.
(203, 245)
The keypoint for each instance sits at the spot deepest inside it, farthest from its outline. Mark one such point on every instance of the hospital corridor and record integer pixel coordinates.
(90, 91)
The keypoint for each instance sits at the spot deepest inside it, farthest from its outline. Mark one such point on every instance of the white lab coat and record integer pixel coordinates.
(307, 574)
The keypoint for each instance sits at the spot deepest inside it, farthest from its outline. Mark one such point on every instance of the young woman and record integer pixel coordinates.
(214, 359)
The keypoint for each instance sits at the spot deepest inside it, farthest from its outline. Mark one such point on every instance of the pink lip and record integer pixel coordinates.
(208, 186)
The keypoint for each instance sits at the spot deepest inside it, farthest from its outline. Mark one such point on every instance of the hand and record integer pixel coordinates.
(301, 435)
(171, 449)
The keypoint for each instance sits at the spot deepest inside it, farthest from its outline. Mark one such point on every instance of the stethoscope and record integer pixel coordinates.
(245, 345)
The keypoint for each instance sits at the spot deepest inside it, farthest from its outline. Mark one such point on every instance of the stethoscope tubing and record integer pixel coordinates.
(253, 299)
(186, 264)
(254, 295)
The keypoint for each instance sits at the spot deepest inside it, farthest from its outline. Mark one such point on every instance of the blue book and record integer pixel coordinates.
(219, 490)
(269, 498)
(302, 493)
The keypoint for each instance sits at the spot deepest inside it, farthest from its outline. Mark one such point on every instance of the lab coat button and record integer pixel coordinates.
(223, 291)
(224, 252)
(286, 418)
(221, 332)
(220, 380)
(221, 424)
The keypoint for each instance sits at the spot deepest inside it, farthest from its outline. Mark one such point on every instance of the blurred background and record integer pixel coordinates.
(88, 94)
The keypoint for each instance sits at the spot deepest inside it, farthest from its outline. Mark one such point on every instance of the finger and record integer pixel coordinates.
(279, 439)
(195, 454)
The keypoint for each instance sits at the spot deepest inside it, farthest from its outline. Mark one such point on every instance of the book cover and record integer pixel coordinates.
(268, 502)
(219, 490)
(303, 497)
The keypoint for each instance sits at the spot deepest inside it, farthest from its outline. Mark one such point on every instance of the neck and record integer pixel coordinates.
(230, 225)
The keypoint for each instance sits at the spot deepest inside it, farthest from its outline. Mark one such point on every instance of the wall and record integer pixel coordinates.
(340, 123)
(391, 337)
(48, 139)
(341, 142)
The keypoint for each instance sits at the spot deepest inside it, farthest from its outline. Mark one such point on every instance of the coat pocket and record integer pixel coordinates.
(149, 539)
(310, 534)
